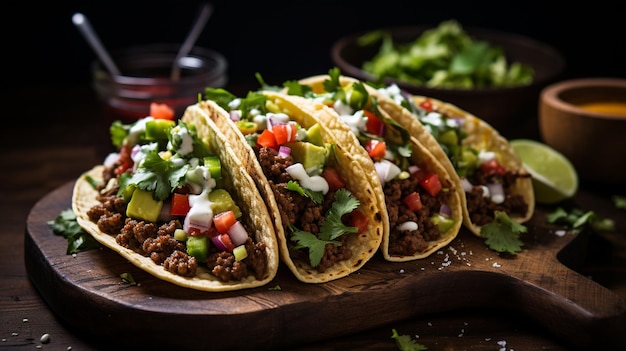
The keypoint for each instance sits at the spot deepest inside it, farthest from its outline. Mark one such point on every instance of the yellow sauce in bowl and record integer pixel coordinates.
(608, 107)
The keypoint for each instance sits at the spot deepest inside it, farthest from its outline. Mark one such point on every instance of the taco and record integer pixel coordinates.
(179, 206)
(327, 220)
(423, 203)
(486, 167)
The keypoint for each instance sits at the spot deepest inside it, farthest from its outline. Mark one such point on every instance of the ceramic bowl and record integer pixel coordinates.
(585, 119)
(506, 109)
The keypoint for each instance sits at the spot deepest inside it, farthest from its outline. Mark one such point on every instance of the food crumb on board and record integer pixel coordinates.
(496, 265)
(45, 338)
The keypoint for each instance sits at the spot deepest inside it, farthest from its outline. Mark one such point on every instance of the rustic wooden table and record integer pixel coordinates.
(55, 136)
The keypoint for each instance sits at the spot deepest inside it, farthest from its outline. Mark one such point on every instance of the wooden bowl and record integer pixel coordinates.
(593, 140)
(506, 109)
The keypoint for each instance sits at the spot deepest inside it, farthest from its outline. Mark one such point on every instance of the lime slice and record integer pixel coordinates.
(553, 175)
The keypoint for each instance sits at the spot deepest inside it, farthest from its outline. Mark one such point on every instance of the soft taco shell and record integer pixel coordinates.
(235, 180)
(420, 155)
(480, 135)
(363, 246)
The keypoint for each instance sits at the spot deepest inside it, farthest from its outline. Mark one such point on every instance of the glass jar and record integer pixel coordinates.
(145, 77)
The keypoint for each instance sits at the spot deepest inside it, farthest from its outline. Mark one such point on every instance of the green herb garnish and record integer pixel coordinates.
(502, 235)
(331, 229)
(78, 239)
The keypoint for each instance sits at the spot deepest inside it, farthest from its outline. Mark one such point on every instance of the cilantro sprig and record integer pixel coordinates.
(78, 239)
(332, 227)
(405, 343)
(502, 235)
(576, 219)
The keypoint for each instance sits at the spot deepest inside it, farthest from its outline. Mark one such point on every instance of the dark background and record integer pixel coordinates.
(285, 39)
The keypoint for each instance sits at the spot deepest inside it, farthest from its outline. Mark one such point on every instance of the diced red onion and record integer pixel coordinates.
(275, 119)
(238, 234)
(444, 209)
(164, 215)
(496, 191)
(467, 186)
(382, 169)
(111, 158)
(284, 151)
(412, 169)
(187, 224)
(217, 241)
(235, 115)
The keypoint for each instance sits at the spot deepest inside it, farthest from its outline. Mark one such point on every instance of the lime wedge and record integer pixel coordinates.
(553, 175)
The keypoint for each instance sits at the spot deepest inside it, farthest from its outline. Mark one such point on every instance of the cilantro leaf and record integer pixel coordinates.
(333, 227)
(315, 245)
(502, 235)
(405, 343)
(619, 201)
(576, 219)
(158, 176)
(315, 196)
(220, 96)
(78, 239)
(118, 132)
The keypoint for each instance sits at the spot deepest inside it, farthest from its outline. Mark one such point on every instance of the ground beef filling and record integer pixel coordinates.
(410, 242)
(482, 209)
(298, 210)
(157, 242)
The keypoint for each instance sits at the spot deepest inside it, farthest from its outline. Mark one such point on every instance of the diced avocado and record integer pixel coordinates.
(214, 166)
(221, 201)
(157, 129)
(246, 127)
(445, 223)
(467, 163)
(311, 156)
(240, 252)
(449, 137)
(128, 193)
(314, 135)
(143, 206)
(180, 235)
(197, 246)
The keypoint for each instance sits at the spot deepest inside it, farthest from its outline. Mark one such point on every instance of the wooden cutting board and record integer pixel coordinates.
(86, 291)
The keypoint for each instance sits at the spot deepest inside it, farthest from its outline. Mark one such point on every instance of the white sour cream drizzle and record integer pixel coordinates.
(314, 183)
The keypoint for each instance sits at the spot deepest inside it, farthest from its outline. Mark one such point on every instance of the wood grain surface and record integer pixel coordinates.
(86, 291)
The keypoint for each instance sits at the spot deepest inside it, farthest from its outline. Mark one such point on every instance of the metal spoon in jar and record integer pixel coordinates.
(196, 29)
(82, 23)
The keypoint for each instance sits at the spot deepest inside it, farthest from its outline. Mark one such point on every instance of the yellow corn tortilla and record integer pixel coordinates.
(480, 135)
(364, 245)
(420, 155)
(235, 180)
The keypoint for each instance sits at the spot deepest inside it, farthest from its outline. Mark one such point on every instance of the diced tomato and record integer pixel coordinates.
(267, 139)
(180, 204)
(223, 221)
(357, 219)
(374, 125)
(413, 201)
(332, 177)
(224, 239)
(492, 167)
(194, 231)
(284, 133)
(427, 105)
(125, 160)
(161, 111)
(376, 148)
(431, 184)
(212, 232)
